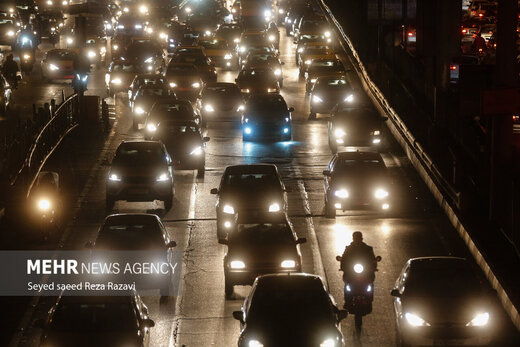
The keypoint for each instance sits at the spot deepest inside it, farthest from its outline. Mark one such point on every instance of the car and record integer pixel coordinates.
(289, 310)
(220, 100)
(140, 171)
(229, 32)
(257, 81)
(220, 53)
(58, 64)
(120, 75)
(9, 29)
(184, 141)
(441, 301)
(48, 24)
(191, 50)
(256, 249)
(266, 116)
(144, 99)
(202, 20)
(170, 109)
(322, 67)
(294, 12)
(313, 50)
(5, 94)
(239, 184)
(307, 38)
(248, 39)
(130, 25)
(184, 79)
(326, 92)
(145, 79)
(148, 53)
(205, 66)
(256, 59)
(312, 25)
(273, 34)
(356, 179)
(96, 320)
(355, 126)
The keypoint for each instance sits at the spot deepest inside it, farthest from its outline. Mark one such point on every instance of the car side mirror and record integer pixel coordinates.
(342, 314)
(89, 244)
(378, 258)
(396, 293)
(326, 172)
(291, 109)
(213, 191)
(339, 257)
(171, 244)
(206, 138)
(223, 241)
(301, 240)
(238, 316)
(148, 323)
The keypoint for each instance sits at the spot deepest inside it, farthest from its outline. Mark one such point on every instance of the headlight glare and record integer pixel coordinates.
(341, 193)
(479, 320)
(274, 207)
(358, 268)
(228, 209)
(163, 177)
(196, 151)
(415, 320)
(288, 263)
(255, 343)
(349, 98)
(44, 204)
(237, 264)
(339, 133)
(316, 99)
(114, 178)
(196, 85)
(151, 127)
(53, 67)
(380, 193)
(328, 343)
(209, 108)
(139, 110)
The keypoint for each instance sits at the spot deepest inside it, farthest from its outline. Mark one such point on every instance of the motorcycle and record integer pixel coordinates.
(79, 83)
(359, 290)
(45, 203)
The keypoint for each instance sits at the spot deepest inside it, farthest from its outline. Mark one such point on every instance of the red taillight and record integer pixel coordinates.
(481, 15)
(464, 31)
(516, 118)
(453, 67)
(410, 34)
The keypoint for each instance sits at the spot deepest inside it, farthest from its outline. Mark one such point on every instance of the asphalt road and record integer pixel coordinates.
(201, 316)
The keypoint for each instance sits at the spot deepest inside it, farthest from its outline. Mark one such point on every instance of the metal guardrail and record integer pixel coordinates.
(446, 196)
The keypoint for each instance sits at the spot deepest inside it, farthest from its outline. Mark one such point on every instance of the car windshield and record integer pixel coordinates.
(358, 166)
(182, 69)
(260, 74)
(179, 129)
(136, 155)
(214, 44)
(254, 181)
(190, 59)
(172, 108)
(262, 234)
(221, 91)
(124, 68)
(273, 106)
(291, 300)
(334, 83)
(61, 55)
(126, 236)
(317, 50)
(310, 37)
(94, 318)
(154, 92)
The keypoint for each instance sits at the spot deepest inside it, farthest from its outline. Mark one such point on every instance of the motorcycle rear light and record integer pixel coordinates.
(347, 288)
(369, 288)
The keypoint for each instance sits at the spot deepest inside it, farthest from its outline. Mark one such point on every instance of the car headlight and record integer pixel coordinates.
(341, 193)
(91, 54)
(138, 26)
(228, 209)
(108, 26)
(163, 36)
(196, 85)
(242, 49)
(115, 47)
(327, 33)
(277, 72)
(70, 40)
(240, 108)
(139, 110)
(280, 10)
(228, 56)
(313, 80)
(143, 9)
(149, 30)
(377, 132)
(233, 10)
(207, 33)
(237, 264)
(271, 38)
(274, 207)
(308, 62)
(267, 13)
(339, 133)
(248, 130)
(415, 320)
(209, 108)
(300, 49)
(255, 343)
(196, 151)
(162, 177)
(53, 29)
(479, 320)
(173, 84)
(187, 9)
(151, 127)
(380, 193)
(358, 268)
(288, 263)
(328, 343)
(53, 67)
(10, 33)
(349, 98)
(236, 40)
(26, 56)
(245, 90)
(44, 204)
(316, 99)
(116, 81)
(120, 26)
(114, 178)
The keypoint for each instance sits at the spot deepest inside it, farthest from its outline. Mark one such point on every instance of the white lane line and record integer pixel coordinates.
(178, 303)
(26, 319)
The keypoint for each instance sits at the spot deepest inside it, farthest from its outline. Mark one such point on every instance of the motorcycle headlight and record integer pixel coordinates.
(280, 11)
(415, 320)
(139, 110)
(327, 33)
(237, 264)
(151, 127)
(173, 84)
(188, 9)
(380, 193)
(64, 3)
(116, 81)
(271, 38)
(328, 343)
(274, 207)
(349, 98)
(307, 62)
(339, 133)
(70, 40)
(115, 47)
(288, 263)
(278, 72)
(341, 193)
(44, 204)
(242, 49)
(163, 177)
(209, 108)
(91, 54)
(248, 130)
(300, 49)
(53, 67)
(240, 108)
(267, 13)
(26, 56)
(228, 56)
(358, 268)
(255, 343)
(228, 209)
(479, 320)
(10, 33)
(316, 99)
(196, 151)
(196, 85)
(114, 178)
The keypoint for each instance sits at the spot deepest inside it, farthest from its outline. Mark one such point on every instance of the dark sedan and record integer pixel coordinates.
(220, 100)
(327, 92)
(257, 81)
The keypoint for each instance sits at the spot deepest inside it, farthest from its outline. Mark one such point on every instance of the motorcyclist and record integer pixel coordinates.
(479, 44)
(10, 70)
(358, 252)
(81, 69)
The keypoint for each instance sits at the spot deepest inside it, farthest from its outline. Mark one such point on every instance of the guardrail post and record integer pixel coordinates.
(52, 107)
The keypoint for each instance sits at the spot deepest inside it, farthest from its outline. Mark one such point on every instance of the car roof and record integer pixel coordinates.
(359, 155)
(298, 278)
(251, 168)
(130, 217)
(143, 143)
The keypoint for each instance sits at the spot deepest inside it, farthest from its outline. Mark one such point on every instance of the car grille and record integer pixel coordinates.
(139, 180)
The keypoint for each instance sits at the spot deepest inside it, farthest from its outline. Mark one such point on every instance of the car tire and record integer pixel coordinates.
(330, 211)
(312, 115)
(110, 203)
(168, 202)
(228, 289)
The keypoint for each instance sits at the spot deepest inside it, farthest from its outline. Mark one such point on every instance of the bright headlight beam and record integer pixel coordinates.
(196, 151)
(316, 99)
(151, 127)
(341, 193)
(255, 343)
(349, 98)
(274, 207)
(237, 264)
(288, 263)
(139, 110)
(328, 343)
(339, 133)
(209, 108)
(228, 209)
(114, 178)
(53, 67)
(479, 320)
(380, 193)
(196, 85)
(415, 320)
(358, 268)
(44, 204)
(162, 177)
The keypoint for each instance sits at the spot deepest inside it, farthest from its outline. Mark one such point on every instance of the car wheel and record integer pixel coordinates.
(228, 289)
(168, 202)
(312, 116)
(330, 211)
(110, 203)
(200, 172)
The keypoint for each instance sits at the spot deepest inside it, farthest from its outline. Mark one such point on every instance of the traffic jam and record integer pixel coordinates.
(242, 139)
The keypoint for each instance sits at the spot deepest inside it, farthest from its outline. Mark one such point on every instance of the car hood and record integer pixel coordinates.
(180, 144)
(91, 339)
(137, 170)
(259, 198)
(254, 254)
